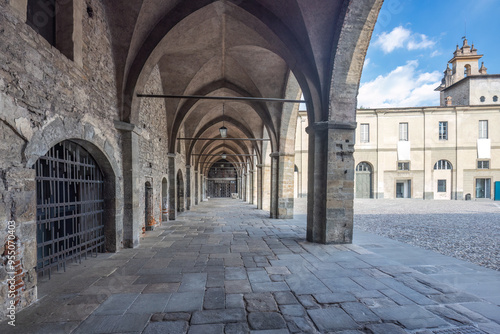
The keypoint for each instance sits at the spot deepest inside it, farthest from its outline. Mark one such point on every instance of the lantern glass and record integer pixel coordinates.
(223, 132)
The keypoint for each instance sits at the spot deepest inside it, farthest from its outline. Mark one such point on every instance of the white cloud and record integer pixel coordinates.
(366, 63)
(401, 37)
(435, 53)
(393, 40)
(405, 86)
(419, 41)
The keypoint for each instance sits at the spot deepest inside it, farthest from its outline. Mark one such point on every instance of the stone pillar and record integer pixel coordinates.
(331, 182)
(266, 187)
(203, 192)
(250, 186)
(274, 186)
(238, 182)
(282, 195)
(259, 186)
(132, 186)
(188, 187)
(18, 231)
(196, 188)
(244, 187)
(172, 182)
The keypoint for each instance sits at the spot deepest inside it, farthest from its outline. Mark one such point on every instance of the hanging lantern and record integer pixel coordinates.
(223, 131)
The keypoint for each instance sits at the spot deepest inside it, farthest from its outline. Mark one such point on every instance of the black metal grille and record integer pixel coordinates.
(221, 188)
(70, 207)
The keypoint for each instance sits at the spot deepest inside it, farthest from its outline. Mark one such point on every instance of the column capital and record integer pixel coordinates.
(323, 126)
(262, 165)
(171, 155)
(127, 127)
(188, 166)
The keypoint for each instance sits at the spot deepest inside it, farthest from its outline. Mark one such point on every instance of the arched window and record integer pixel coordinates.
(363, 167)
(495, 98)
(466, 70)
(482, 99)
(442, 164)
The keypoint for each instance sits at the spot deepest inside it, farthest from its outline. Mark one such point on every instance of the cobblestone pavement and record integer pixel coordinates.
(467, 230)
(224, 267)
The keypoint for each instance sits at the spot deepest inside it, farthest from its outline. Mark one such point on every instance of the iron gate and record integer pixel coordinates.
(221, 188)
(70, 206)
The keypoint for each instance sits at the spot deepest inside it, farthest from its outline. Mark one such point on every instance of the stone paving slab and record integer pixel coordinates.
(237, 271)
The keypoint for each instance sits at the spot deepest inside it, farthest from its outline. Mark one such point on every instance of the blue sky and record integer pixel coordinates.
(412, 42)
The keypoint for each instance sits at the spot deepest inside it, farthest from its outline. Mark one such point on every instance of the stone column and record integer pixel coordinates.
(196, 188)
(274, 186)
(266, 187)
(331, 182)
(244, 187)
(203, 187)
(239, 186)
(188, 187)
(132, 186)
(250, 186)
(259, 186)
(283, 194)
(172, 182)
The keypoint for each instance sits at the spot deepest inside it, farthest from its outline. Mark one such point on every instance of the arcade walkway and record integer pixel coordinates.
(224, 267)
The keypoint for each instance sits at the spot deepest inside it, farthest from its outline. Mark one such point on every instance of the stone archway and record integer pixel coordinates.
(74, 209)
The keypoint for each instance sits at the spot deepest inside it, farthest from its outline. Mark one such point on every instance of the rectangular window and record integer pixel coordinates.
(41, 16)
(483, 129)
(54, 21)
(441, 186)
(365, 133)
(403, 165)
(483, 188)
(403, 131)
(483, 164)
(443, 130)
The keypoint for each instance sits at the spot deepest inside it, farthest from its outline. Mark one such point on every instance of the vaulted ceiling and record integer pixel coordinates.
(251, 48)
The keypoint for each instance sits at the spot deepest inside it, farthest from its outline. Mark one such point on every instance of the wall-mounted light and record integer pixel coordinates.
(223, 155)
(223, 129)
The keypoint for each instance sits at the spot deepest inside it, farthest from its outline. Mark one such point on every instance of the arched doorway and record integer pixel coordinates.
(164, 200)
(364, 180)
(222, 179)
(441, 179)
(148, 206)
(180, 192)
(74, 216)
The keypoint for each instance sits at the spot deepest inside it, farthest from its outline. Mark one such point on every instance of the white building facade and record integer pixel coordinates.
(446, 152)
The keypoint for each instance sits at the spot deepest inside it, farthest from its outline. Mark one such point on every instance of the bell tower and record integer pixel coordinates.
(464, 64)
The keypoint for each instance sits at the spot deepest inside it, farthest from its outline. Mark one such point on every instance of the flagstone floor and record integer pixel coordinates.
(225, 267)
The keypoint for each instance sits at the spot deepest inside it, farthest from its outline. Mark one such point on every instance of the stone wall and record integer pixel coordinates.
(459, 94)
(153, 148)
(46, 98)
